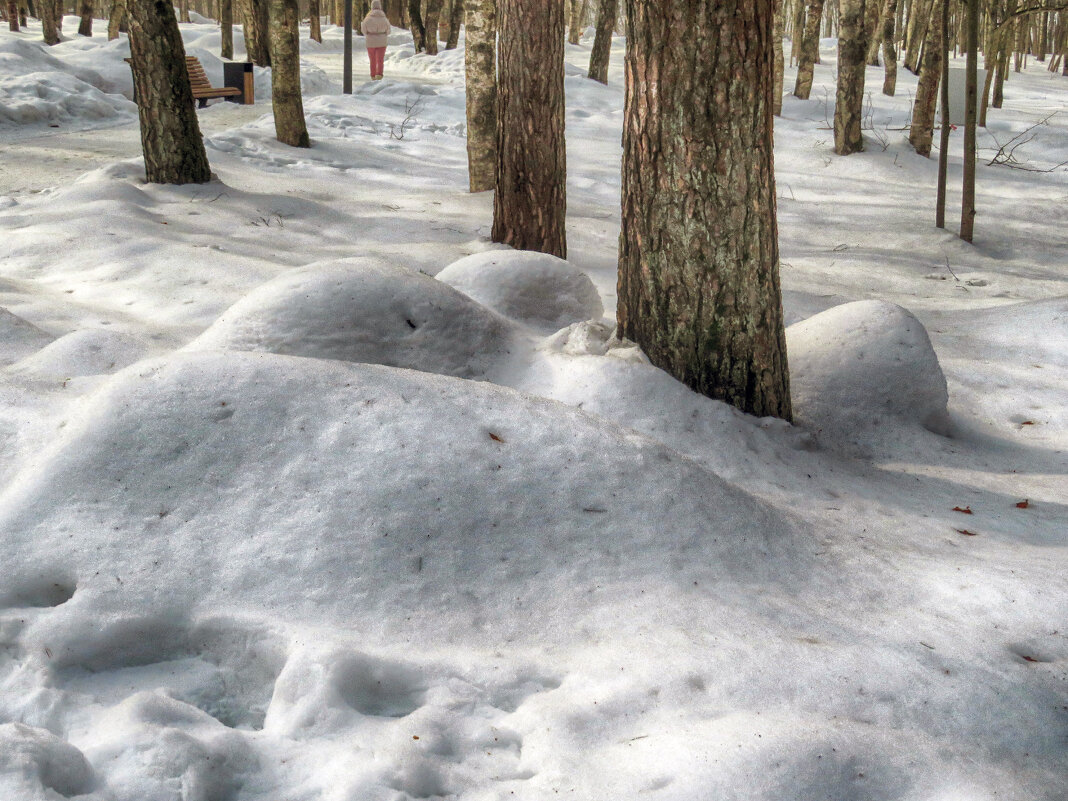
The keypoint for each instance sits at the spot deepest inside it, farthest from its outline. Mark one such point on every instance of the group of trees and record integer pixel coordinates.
(698, 282)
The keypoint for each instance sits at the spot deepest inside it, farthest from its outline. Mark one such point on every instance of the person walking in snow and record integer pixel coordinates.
(376, 29)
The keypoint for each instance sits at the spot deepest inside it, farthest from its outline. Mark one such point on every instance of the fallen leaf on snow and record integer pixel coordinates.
(1023, 504)
(967, 510)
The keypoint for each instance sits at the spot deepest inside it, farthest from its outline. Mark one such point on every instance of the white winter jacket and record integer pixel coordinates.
(376, 27)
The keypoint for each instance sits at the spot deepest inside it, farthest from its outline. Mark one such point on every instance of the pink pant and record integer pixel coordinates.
(377, 55)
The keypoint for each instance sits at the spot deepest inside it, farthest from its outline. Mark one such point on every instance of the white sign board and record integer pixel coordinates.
(957, 83)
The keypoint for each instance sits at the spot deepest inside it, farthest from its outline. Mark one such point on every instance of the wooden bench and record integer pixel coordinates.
(203, 91)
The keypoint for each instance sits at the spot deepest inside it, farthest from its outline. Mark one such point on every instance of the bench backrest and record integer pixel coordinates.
(198, 79)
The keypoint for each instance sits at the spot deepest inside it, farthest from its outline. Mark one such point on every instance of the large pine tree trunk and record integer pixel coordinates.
(85, 10)
(433, 11)
(810, 50)
(170, 133)
(698, 263)
(602, 42)
(480, 65)
(456, 17)
(852, 58)
(921, 134)
(49, 22)
(116, 18)
(226, 29)
(286, 100)
(529, 206)
(257, 44)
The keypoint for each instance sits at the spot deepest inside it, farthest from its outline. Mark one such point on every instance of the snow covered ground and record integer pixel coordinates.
(284, 517)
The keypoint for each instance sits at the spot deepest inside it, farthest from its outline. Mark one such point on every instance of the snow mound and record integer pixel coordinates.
(19, 338)
(365, 310)
(91, 351)
(506, 498)
(56, 97)
(35, 764)
(536, 289)
(860, 366)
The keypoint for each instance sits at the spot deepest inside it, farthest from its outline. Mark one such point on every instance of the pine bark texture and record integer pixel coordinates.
(170, 133)
(480, 65)
(289, 125)
(698, 264)
(852, 61)
(85, 25)
(257, 44)
(226, 29)
(530, 203)
(602, 42)
(921, 134)
(810, 50)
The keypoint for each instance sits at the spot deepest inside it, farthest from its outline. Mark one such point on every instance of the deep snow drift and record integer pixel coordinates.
(285, 516)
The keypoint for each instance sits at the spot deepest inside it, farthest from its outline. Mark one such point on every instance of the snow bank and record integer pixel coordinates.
(91, 351)
(860, 367)
(365, 310)
(19, 338)
(536, 289)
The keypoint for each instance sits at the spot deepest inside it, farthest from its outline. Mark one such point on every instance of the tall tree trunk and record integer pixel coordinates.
(286, 100)
(226, 29)
(415, 24)
(889, 48)
(315, 23)
(873, 31)
(170, 133)
(923, 109)
(810, 50)
(574, 27)
(919, 29)
(602, 42)
(699, 263)
(433, 11)
(942, 21)
(780, 60)
(849, 99)
(967, 216)
(480, 66)
(13, 16)
(85, 10)
(116, 18)
(183, 8)
(529, 207)
(456, 16)
(49, 29)
(257, 44)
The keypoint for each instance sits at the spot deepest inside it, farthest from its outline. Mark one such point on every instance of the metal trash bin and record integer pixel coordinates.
(238, 74)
